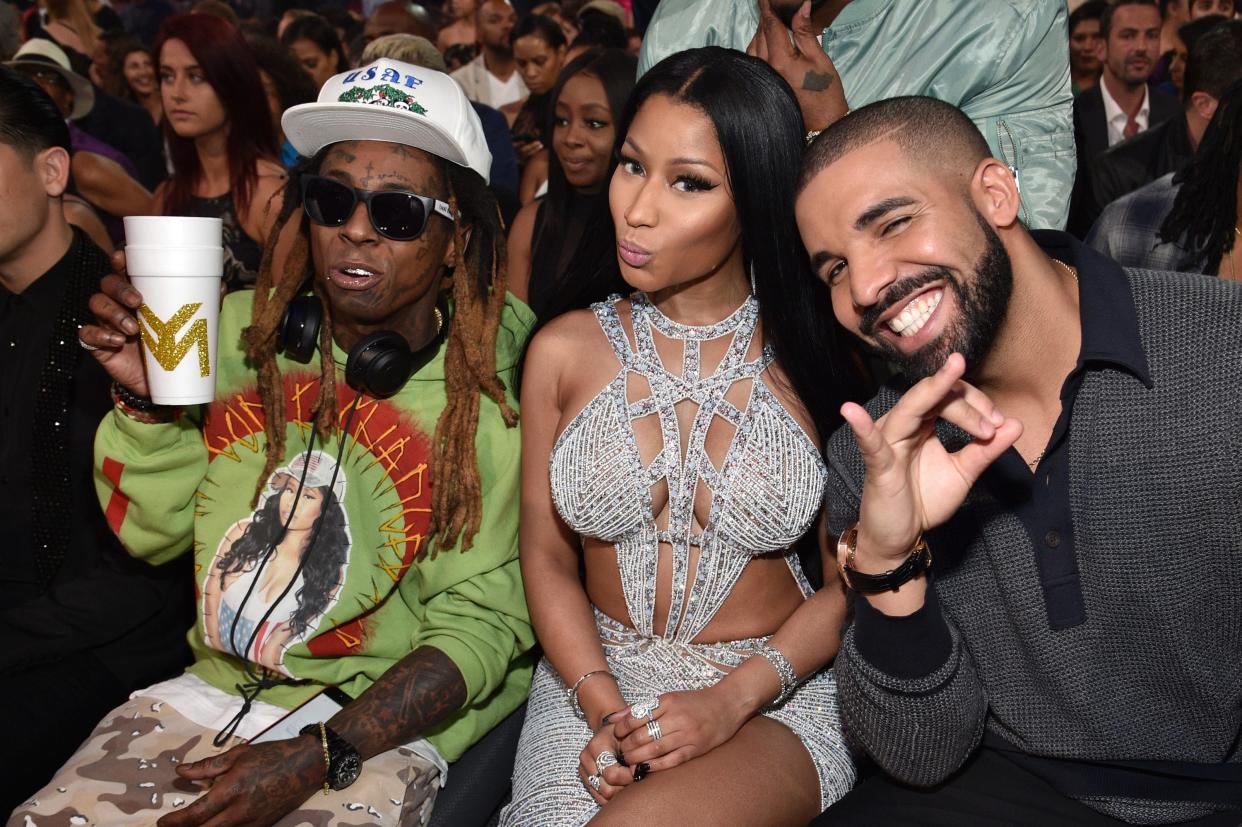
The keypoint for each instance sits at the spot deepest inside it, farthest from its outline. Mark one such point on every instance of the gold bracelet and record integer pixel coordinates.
(327, 762)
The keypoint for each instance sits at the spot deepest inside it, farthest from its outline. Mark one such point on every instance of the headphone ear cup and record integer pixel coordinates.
(379, 364)
(299, 328)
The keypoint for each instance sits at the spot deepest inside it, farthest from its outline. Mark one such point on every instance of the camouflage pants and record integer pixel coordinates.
(124, 774)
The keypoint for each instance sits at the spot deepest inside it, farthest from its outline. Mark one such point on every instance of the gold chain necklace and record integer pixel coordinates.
(1073, 271)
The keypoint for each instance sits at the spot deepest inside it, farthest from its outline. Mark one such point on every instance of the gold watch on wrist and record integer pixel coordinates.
(919, 561)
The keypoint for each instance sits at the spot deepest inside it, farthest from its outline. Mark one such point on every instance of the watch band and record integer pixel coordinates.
(919, 561)
(340, 757)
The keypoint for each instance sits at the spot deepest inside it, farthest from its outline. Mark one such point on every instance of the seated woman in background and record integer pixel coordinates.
(133, 65)
(539, 48)
(683, 429)
(315, 43)
(210, 82)
(562, 254)
(285, 84)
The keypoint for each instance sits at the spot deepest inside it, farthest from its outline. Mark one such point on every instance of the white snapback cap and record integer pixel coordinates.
(396, 102)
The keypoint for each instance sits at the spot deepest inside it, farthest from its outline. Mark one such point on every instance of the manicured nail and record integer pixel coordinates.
(640, 772)
(998, 418)
(129, 326)
(621, 758)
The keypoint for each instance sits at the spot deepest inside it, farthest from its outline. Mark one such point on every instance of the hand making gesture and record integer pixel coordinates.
(912, 483)
(802, 62)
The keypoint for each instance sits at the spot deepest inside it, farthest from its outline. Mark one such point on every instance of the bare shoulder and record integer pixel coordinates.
(566, 337)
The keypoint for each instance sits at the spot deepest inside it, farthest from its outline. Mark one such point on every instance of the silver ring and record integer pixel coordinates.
(653, 729)
(645, 707)
(605, 760)
(85, 346)
(594, 781)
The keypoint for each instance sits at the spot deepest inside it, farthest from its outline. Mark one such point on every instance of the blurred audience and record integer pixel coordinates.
(210, 83)
(540, 50)
(461, 27)
(492, 78)
(1121, 105)
(138, 82)
(1215, 63)
(1134, 229)
(562, 247)
(1084, 30)
(314, 42)
(81, 623)
(1203, 8)
(568, 23)
(102, 175)
(285, 84)
(398, 17)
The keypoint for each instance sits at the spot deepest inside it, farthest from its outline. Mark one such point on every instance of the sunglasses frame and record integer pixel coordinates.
(430, 205)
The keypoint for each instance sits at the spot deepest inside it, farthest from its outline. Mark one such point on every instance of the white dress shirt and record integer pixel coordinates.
(1117, 118)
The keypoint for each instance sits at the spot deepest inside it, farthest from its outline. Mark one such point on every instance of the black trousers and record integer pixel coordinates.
(48, 712)
(989, 790)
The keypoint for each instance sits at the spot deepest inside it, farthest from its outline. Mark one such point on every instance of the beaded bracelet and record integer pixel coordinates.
(140, 409)
(784, 670)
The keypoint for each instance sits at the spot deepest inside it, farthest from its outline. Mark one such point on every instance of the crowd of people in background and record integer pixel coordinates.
(623, 214)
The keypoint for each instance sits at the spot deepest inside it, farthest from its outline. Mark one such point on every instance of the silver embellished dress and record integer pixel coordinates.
(763, 497)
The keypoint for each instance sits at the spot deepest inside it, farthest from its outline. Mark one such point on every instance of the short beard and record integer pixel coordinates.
(982, 305)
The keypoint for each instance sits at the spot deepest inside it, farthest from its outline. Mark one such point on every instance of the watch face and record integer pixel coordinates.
(347, 771)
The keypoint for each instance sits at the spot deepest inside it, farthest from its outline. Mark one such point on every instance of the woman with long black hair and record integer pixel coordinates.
(683, 428)
(260, 555)
(562, 253)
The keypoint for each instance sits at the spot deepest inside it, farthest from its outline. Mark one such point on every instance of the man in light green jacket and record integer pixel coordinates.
(1005, 63)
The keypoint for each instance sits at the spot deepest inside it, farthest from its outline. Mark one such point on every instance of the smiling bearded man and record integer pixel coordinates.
(1072, 655)
(357, 536)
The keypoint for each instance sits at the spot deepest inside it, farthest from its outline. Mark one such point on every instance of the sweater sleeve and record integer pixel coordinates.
(147, 478)
(473, 606)
(908, 688)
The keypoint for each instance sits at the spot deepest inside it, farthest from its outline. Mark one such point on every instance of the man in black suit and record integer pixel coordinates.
(1215, 62)
(1121, 105)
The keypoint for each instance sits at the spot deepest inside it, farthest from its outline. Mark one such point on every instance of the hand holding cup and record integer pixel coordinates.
(115, 334)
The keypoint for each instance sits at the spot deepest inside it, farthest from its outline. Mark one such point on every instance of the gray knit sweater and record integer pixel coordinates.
(1155, 671)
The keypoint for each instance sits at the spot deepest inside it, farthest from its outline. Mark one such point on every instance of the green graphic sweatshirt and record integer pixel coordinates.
(370, 590)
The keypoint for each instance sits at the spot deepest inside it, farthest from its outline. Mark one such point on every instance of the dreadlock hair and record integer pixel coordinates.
(478, 286)
(1205, 210)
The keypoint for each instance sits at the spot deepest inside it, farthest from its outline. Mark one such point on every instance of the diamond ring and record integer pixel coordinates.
(653, 729)
(85, 346)
(594, 782)
(604, 760)
(645, 707)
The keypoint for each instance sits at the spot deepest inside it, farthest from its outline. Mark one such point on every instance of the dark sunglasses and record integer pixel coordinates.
(395, 214)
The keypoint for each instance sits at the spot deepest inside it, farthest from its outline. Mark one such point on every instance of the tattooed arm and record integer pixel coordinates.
(423, 689)
(258, 784)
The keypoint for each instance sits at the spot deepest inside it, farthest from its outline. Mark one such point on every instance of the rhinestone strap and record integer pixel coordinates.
(784, 671)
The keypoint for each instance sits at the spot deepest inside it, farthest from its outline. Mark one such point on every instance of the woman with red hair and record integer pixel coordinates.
(220, 137)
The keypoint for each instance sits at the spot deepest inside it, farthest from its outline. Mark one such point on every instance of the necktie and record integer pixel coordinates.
(1131, 128)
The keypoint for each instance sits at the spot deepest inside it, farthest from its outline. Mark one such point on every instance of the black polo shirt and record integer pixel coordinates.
(916, 645)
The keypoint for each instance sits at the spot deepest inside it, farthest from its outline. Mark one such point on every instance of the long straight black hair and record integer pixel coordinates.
(574, 251)
(759, 127)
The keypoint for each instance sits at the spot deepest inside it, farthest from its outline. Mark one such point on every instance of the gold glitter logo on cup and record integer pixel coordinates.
(161, 339)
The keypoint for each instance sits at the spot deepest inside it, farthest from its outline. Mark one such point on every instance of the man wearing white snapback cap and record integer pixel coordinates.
(356, 535)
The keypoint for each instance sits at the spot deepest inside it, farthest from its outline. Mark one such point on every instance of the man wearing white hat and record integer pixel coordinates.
(350, 496)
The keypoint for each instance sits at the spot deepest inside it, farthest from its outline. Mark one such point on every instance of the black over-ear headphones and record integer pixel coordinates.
(378, 365)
